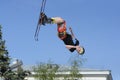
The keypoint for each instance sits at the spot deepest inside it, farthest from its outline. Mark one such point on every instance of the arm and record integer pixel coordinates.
(74, 38)
(72, 34)
(70, 46)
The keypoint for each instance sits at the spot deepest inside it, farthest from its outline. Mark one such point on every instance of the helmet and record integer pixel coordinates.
(82, 51)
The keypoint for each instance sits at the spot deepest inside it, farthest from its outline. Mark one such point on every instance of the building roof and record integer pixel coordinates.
(67, 68)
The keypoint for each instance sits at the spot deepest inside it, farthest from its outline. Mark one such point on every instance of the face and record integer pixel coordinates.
(78, 49)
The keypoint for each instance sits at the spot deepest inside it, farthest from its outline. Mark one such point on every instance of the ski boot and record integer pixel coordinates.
(44, 19)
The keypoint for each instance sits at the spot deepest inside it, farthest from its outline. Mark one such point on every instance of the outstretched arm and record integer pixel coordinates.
(73, 37)
(72, 34)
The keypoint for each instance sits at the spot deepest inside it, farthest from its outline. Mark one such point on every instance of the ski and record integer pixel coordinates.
(40, 20)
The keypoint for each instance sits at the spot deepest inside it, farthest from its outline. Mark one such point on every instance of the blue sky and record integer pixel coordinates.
(96, 23)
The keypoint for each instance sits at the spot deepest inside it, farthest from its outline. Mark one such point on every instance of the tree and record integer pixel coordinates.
(76, 62)
(45, 71)
(6, 71)
(4, 58)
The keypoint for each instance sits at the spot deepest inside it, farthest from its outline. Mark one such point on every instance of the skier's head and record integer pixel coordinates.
(80, 50)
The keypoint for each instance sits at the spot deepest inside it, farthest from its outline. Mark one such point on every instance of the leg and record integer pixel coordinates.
(57, 20)
(47, 20)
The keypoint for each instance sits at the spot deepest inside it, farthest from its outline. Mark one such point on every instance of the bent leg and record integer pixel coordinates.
(57, 20)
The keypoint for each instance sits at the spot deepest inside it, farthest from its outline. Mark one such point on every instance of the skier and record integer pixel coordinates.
(69, 40)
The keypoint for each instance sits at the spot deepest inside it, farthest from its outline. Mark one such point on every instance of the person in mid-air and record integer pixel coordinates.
(69, 40)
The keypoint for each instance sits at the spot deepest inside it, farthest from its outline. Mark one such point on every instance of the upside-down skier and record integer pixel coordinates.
(70, 41)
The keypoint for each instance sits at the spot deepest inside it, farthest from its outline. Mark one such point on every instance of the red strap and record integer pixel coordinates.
(61, 27)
